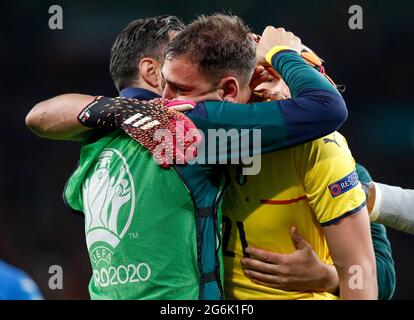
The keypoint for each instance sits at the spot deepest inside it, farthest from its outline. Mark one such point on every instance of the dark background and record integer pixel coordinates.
(36, 230)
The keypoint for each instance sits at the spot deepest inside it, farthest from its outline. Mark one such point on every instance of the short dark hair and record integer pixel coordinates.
(220, 44)
(141, 38)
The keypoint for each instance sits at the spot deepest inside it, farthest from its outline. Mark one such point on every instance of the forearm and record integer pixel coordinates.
(358, 281)
(56, 118)
(393, 207)
(329, 280)
(385, 279)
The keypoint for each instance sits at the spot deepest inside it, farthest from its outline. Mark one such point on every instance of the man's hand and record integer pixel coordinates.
(301, 270)
(166, 133)
(272, 37)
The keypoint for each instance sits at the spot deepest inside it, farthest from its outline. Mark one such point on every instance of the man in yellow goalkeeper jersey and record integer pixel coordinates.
(313, 186)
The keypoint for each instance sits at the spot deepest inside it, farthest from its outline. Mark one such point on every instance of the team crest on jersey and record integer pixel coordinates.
(344, 185)
(109, 201)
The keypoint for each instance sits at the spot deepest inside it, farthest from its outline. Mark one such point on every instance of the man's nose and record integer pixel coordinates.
(167, 93)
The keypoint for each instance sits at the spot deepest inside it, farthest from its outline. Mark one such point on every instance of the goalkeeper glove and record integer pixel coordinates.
(141, 120)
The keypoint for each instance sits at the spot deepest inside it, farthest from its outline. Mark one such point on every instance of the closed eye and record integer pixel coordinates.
(177, 89)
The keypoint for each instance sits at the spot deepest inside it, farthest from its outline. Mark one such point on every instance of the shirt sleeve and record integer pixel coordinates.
(330, 179)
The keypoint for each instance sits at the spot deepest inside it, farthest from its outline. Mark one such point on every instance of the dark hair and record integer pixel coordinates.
(141, 38)
(220, 44)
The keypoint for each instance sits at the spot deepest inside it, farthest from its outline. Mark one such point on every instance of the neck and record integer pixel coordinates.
(144, 85)
(244, 95)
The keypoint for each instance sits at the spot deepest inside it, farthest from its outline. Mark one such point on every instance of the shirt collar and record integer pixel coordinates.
(138, 93)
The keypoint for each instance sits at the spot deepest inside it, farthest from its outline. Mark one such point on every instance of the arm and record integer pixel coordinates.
(334, 193)
(382, 248)
(56, 118)
(315, 110)
(351, 249)
(392, 206)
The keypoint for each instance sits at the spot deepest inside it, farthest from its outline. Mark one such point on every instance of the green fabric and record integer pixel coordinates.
(382, 248)
(127, 198)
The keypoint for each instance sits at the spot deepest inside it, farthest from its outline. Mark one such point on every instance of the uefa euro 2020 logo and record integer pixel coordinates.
(109, 200)
(109, 205)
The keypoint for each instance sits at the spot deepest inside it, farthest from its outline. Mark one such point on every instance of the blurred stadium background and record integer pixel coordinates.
(36, 230)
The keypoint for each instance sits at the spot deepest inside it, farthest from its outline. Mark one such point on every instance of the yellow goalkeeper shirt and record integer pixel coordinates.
(310, 186)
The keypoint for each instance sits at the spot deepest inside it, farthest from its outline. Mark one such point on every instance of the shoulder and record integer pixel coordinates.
(329, 147)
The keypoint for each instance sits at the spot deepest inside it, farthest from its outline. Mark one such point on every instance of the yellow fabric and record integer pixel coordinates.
(275, 50)
(296, 182)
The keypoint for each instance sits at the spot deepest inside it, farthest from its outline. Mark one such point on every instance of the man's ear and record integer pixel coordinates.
(230, 89)
(149, 71)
